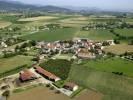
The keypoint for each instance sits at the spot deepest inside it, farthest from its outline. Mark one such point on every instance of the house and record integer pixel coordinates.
(27, 75)
(85, 54)
(46, 74)
(71, 86)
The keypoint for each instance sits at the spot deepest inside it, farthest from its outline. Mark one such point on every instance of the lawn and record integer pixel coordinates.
(7, 64)
(125, 32)
(52, 35)
(113, 87)
(119, 48)
(96, 34)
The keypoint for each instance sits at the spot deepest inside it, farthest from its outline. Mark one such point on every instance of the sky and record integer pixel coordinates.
(102, 4)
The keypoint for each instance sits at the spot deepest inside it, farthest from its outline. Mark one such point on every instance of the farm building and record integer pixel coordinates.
(27, 75)
(47, 74)
(71, 86)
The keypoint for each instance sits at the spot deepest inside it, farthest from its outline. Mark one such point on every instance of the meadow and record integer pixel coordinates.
(125, 32)
(52, 35)
(95, 34)
(7, 64)
(113, 87)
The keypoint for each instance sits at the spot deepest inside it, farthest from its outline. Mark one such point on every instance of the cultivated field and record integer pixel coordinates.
(95, 34)
(52, 35)
(112, 65)
(37, 18)
(125, 32)
(7, 64)
(43, 93)
(113, 87)
(4, 24)
(119, 49)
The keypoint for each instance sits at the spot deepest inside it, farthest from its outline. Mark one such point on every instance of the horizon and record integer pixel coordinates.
(102, 4)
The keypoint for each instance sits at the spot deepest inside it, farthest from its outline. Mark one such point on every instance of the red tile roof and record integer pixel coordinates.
(45, 73)
(27, 75)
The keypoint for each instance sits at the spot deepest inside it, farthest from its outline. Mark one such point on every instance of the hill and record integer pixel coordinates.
(18, 6)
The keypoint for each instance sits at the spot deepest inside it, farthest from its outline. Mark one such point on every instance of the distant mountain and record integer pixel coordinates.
(6, 5)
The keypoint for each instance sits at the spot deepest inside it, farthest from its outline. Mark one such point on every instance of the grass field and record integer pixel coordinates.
(37, 18)
(112, 65)
(7, 64)
(52, 35)
(95, 34)
(125, 32)
(119, 49)
(112, 86)
(43, 93)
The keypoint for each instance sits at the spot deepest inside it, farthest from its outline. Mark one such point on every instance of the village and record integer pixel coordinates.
(81, 49)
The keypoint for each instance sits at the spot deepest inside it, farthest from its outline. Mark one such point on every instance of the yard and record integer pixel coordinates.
(7, 64)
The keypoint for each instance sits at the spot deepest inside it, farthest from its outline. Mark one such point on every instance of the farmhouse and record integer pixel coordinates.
(27, 75)
(46, 74)
(71, 86)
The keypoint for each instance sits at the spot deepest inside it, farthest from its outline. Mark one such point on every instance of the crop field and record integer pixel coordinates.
(95, 34)
(113, 87)
(4, 24)
(112, 65)
(52, 35)
(43, 93)
(119, 48)
(125, 32)
(37, 18)
(7, 64)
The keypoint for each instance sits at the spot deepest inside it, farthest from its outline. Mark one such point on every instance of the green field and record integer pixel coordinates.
(99, 78)
(7, 64)
(96, 34)
(112, 65)
(125, 32)
(52, 35)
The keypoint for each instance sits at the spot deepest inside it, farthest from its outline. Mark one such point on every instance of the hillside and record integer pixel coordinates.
(17, 6)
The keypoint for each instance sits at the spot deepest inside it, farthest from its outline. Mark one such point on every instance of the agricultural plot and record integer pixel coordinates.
(112, 65)
(119, 48)
(4, 24)
(37, 18)
(113, 87)
(95, 34)
(45, 93)
(7, 64)
(52, 35)
(125, 32)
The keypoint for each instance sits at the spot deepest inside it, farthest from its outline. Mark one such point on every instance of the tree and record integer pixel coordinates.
(6, 94)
